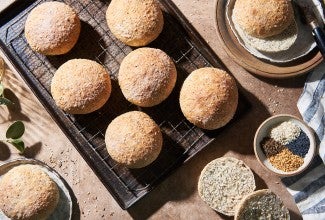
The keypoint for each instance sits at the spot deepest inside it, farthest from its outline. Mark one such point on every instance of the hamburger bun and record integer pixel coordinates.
(52, 28)
(261, 204)
(263, 18)
(209, 98)
(224, 182)
(133, 139)
(267, 26)
(147, 76)
(135, 22)
(80, 86)
(27, 192)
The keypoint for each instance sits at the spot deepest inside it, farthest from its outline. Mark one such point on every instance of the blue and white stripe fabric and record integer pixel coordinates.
(308, 188)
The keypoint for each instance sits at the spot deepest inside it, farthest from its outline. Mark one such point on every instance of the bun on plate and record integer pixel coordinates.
(267, 25)
(27, 192)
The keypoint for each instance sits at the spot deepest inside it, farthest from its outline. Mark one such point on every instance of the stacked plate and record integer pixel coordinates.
(298, 59)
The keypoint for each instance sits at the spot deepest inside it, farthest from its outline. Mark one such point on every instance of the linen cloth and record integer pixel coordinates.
(308, 188)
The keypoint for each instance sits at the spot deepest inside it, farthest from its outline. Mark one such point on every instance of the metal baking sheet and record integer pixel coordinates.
(182, 140)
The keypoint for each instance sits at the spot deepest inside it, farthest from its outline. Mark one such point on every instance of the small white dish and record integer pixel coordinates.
(264, 130)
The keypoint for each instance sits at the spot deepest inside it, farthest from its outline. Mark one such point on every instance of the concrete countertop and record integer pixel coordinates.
(177, 196)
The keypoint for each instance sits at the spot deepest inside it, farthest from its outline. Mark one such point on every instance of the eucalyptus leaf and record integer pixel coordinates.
(5, 101)
(15, 130)
(18, 143)
(2, 88)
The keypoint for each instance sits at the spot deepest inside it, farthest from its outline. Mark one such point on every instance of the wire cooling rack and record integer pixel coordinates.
(182, 140)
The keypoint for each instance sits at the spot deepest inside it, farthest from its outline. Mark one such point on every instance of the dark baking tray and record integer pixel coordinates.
(182, 140)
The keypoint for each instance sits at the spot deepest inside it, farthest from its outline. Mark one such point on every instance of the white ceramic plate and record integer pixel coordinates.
(64, 207)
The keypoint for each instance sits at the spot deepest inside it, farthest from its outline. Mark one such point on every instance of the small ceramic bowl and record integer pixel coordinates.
(264, 131)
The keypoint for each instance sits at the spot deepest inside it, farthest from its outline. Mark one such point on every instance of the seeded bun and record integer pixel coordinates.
(27, 192)
(273, 44)
(147, 76)
(52, 28)
(263, 18)
(133, 139)
(261, 204)
(80, 86)
(268, 26)
(224, 182)
(135, 22)
(209, 98)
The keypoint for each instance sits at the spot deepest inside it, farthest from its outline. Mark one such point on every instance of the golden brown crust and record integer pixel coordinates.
(263, 18)
(133, 139)
(80, 86)
(147, 76)
(135, 22)
(209, 98)
(52, 28)
(28, 193)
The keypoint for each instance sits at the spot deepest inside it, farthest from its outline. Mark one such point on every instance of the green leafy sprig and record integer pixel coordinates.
(16, 129)
(14, 134)
(3, 100)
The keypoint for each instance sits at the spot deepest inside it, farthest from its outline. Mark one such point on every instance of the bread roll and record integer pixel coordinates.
(268, 26)
(263, 18)
(209, 98)
(52, 28)
(224, 182)
(80, 86)
(27, 192)
(147, 76)
(133, 139)
(135, 22)
(261, 204)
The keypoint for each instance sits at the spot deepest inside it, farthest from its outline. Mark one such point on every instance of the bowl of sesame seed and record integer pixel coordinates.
(284, 144)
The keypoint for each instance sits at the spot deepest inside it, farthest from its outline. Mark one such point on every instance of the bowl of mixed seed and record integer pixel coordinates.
(284, 144)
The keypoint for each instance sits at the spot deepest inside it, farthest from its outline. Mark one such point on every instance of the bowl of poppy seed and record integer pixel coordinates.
(284, 144)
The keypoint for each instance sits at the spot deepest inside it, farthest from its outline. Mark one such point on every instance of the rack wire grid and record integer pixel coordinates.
(182, 140)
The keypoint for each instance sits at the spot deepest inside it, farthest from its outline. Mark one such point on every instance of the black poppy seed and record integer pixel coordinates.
(300, 145)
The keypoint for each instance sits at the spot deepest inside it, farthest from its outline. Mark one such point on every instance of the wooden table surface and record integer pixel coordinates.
(177, 196)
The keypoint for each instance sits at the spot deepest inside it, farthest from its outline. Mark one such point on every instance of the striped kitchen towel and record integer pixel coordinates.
(308, 188)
